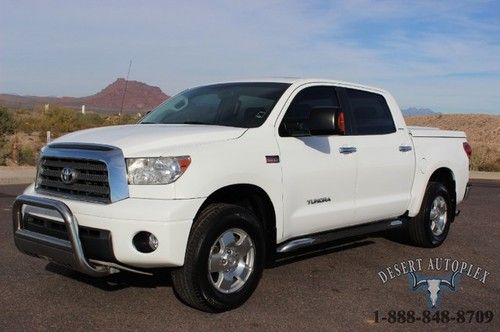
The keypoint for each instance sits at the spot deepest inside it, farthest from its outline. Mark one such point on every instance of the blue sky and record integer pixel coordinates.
(439, 54)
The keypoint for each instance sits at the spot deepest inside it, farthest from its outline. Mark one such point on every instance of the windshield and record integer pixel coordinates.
(245, 105)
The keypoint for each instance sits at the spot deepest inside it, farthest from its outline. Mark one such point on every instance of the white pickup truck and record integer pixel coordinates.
(218, 181)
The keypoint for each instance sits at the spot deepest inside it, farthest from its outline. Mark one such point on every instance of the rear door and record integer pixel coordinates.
(318, 180)
(385, 160)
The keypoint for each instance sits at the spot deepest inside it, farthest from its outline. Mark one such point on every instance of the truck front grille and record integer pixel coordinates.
(87, 180)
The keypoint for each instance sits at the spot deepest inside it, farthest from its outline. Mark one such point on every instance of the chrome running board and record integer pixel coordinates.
(342, 233)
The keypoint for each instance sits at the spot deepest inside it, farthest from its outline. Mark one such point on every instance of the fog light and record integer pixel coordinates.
(145, 242)
(153, 242)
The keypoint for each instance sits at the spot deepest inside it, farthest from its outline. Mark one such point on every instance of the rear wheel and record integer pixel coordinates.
(224, 259)
(431, 226)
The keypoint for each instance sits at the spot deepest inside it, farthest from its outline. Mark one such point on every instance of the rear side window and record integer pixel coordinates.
(370, 112)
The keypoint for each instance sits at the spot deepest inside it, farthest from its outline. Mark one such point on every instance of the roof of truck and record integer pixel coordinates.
(301, 80)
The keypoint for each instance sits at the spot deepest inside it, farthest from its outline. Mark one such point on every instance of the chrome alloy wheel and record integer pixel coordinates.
(438, 215)
(231, 260)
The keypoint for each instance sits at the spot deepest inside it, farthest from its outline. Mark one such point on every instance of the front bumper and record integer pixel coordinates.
(169, 220)
(67, 252)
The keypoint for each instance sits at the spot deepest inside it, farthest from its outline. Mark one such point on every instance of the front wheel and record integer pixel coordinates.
(431, 226)
(224, 259)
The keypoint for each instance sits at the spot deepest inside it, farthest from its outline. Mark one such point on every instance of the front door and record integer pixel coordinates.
(319, 173)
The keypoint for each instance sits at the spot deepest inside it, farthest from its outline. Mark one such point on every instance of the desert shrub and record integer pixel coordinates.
(91, 120)
(5, 150)
(7, 127)
(28, 120)
(7, 122)
(122, 120)
(27, 156)
(484, 158)
(60, 121)
(32, 124)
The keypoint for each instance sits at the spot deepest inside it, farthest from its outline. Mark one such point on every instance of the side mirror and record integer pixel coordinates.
(321, 121)
(324, 121)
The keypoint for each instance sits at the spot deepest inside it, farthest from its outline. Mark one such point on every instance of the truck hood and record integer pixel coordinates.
(150, 140)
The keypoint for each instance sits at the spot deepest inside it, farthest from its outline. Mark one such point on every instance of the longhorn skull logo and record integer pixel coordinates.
(433, 286)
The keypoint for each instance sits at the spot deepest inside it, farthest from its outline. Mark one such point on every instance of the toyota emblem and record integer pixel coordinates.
(68, 175)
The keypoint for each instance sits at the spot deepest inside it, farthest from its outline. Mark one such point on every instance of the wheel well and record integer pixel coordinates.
(255, 199)
(445, 176)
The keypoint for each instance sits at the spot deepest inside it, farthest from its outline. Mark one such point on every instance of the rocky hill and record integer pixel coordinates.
(415, 111)
(139, 97)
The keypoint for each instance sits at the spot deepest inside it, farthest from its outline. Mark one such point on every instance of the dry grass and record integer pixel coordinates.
(21, 145)
(483, 133)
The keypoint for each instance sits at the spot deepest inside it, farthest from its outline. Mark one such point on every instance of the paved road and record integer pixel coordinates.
(337, 288)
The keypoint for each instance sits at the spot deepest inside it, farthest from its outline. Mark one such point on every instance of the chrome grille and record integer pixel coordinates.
(91, 183)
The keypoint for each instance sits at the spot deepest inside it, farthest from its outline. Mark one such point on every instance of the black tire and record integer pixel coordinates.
(191, 282)
(419, 227)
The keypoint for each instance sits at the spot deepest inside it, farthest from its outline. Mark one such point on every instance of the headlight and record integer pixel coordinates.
(162, 170)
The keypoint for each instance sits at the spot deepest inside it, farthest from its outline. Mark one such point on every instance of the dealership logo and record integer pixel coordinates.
(422, 276)
(433, 286)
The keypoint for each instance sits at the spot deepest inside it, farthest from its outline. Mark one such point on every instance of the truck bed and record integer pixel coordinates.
(417, 131)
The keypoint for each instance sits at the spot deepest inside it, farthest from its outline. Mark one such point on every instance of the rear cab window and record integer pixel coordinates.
(370, 113)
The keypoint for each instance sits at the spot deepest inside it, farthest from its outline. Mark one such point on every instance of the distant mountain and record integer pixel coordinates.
(415, 111)
(139, 97)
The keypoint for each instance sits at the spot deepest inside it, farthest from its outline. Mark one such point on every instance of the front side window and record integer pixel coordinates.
(370, 112)
(245, 105)
(305, 101)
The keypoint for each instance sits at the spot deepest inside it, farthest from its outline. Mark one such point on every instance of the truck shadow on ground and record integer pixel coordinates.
(161, 277)
(117, 281)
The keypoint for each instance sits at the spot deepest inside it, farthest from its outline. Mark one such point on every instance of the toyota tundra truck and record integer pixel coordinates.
(220, 180)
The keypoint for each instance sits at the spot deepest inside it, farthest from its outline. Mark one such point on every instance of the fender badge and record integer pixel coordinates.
(273, 159)
(319, 200)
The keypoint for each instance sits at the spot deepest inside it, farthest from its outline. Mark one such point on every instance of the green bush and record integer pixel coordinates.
(7, 122)
(7, 127)
(60, 121)
(57, 120)
(5, 150)
(27, 156)
(115, 120)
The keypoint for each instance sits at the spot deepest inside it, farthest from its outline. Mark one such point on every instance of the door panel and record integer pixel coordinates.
(385, 172)
(385, 176)
(313, 168)
(318, 180)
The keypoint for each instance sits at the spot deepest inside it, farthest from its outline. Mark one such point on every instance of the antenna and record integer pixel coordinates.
(125, 91)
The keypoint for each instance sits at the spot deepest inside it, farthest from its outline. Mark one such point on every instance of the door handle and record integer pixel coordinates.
(347, 149)
(405, 148)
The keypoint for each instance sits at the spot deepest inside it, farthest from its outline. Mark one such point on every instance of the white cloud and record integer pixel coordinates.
(179, 44)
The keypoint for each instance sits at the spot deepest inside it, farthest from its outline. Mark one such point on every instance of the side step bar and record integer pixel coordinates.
(342, 233)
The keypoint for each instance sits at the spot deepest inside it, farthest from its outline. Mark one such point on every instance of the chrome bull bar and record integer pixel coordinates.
(68, 252)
